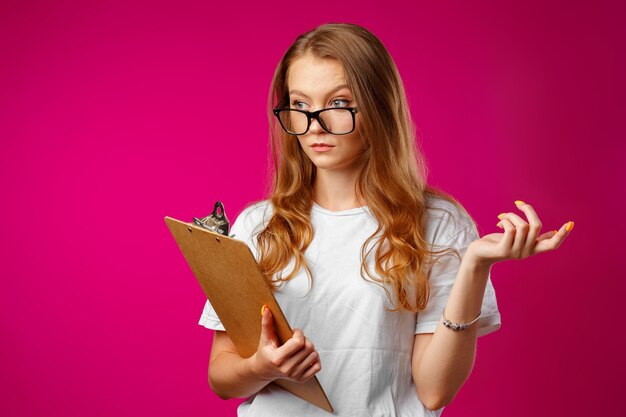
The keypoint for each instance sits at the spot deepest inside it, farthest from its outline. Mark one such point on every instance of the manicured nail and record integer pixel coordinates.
(501, 215)
(570, 226)
(555, 231)
(263, 310)
(519, 202)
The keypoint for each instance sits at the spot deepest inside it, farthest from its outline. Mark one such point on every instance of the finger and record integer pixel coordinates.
(521, 231)
(506, 242)
(312, 370)
(547, 235)
(291, 363)
(305, 364)
(295, 343)
(568, 226)
(268, 333)
(300, 354)
(556, 240)
(534, 227)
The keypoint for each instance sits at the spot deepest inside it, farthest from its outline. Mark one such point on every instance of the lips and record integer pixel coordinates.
(321, 147)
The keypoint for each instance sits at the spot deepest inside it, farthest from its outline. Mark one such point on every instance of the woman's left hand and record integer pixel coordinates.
(520, 239)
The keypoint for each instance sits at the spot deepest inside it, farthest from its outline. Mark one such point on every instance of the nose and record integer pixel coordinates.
(315, 126)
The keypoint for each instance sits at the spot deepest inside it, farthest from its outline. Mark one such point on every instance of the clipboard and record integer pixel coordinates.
(234, 285)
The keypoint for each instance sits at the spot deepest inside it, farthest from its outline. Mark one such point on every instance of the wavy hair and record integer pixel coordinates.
(392, 176)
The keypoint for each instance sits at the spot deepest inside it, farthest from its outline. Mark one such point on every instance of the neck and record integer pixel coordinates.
(335, 190)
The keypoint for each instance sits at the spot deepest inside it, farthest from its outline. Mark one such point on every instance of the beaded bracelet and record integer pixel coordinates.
(456, 326)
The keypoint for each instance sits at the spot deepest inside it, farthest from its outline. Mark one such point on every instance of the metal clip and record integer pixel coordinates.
(216, 221)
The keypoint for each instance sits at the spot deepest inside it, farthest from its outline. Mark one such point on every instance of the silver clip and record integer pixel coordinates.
(216, 221)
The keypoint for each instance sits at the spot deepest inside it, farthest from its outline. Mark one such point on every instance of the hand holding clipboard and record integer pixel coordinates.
(234, 285)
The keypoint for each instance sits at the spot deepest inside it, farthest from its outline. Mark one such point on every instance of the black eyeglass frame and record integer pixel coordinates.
(316, 115)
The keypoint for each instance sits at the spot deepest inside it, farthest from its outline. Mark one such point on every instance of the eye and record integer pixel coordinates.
(341, 100)
(295, 104)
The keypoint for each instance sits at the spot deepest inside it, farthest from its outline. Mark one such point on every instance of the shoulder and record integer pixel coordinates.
(446, 218)
(253, 217)
(256, 210)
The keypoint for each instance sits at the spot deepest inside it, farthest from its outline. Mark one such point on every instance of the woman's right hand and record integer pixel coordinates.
(296, 360)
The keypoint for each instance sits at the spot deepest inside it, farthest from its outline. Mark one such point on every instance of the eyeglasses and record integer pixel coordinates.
(334, 120)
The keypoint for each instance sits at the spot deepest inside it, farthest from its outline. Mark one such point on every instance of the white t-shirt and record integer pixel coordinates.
(365, 350)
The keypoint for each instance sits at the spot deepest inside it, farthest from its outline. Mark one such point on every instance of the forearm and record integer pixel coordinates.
(448, 359)
(231, 376)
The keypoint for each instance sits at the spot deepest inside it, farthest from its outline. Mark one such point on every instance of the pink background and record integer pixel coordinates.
(113, 115)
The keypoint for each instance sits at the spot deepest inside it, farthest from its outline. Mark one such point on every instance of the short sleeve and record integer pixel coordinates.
(209, 318)
(244, 228)
(442, 275)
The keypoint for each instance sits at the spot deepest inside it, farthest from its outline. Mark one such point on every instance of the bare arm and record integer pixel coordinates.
(442, 361)
(231, 376)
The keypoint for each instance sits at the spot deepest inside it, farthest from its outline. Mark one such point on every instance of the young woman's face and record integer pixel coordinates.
(315, 84)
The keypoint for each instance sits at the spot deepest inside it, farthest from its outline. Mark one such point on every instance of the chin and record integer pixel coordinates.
(330, 166)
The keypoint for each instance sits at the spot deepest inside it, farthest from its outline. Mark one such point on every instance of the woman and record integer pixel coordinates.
(385, 278)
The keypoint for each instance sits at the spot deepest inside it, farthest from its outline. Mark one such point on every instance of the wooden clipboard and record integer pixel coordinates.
(234, 285)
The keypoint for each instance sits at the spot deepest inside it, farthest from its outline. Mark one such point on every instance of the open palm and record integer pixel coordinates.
(520, 239)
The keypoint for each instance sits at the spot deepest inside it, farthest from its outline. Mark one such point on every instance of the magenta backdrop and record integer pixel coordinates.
(113, 115)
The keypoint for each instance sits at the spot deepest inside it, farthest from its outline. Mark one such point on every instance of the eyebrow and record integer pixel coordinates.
(339, 87)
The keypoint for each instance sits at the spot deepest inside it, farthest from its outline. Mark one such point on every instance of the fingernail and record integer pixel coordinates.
(499, 224)
(519, 202)
(570, 226)
(263, 310)
(555, 231)
(501, 215)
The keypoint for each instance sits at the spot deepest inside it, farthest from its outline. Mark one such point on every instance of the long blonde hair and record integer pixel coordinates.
(392, 175)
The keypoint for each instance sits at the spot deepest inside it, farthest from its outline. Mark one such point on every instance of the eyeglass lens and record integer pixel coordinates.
(335, 121)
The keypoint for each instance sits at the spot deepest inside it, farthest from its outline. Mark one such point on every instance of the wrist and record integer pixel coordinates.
(255, 369)
(473, 263)
(475, 267)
